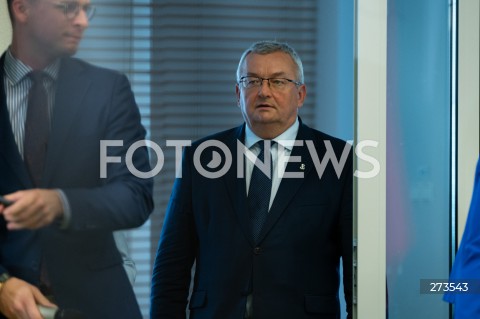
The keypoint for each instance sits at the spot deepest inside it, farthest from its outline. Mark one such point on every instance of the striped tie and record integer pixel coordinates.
(37, 127)
(259, 193)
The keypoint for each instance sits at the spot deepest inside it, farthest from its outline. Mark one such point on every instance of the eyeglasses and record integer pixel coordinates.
(71, 9)
(249, 82)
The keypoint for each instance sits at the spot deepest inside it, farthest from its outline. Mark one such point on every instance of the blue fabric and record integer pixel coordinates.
(467, 261)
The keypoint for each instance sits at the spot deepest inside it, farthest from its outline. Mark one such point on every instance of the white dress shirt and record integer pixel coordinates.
(285, 140)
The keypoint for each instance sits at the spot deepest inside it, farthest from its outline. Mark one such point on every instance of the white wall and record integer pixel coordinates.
(370, 124)
(468, 105)
(5, 27)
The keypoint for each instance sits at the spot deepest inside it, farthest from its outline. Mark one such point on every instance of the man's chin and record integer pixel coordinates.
(265, 117)
(70, 52)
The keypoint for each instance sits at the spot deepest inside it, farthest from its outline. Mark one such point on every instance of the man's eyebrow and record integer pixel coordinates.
(273, 75)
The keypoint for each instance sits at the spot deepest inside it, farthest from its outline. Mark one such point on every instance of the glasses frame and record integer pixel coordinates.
(71, 9)
(242, 82)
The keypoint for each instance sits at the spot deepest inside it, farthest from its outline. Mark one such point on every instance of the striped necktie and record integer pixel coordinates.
(259, 193)
(37, 127)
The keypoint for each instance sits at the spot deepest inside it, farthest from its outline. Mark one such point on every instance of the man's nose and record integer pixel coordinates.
(264, 88)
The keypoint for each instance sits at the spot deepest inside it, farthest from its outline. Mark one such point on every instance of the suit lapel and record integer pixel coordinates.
(236, 186)
(9, 148)
(72, 86)
(290, 186)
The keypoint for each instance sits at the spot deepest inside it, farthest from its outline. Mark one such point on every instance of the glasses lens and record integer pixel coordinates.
(250, 82)
(71, 9)
(89, 11)
(278, 83)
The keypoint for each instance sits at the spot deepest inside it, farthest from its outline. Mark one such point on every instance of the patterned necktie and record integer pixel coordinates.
(37, 127)
(259, 194)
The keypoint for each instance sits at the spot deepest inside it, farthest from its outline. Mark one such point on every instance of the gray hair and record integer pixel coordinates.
(267, 47)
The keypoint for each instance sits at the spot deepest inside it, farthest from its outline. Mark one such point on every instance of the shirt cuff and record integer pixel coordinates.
(67, 212)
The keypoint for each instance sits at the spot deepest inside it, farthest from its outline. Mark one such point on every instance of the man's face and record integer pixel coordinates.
(50, 31)
(269, 111)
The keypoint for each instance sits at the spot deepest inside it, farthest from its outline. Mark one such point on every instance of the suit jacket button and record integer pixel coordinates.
(257, 250)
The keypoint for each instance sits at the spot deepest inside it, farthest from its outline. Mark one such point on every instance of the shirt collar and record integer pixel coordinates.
(289, 135)
(16, 70)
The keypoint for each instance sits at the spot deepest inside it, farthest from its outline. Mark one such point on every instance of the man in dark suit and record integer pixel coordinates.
(260, 252)
(56, 237)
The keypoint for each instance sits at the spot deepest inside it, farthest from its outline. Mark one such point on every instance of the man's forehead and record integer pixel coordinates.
(274, 56)
(255, 61)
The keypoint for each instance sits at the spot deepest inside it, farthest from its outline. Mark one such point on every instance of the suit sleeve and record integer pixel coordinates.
(121, 200)
(176, 251)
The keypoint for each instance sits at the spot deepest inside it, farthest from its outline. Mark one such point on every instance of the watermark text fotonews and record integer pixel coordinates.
(221, 158)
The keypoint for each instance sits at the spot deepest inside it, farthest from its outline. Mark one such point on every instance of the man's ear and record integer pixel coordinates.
(237, 92)
(20, 9)
(302, 94)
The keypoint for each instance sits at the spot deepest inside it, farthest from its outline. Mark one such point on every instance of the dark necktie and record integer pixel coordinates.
(259, 194)
(37, 127)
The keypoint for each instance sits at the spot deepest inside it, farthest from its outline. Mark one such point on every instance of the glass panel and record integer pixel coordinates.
(418, 155)
(334, 78)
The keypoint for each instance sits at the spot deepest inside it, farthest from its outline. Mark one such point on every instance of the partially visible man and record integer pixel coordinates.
(465, 274)
(56, 239)
(264, 245)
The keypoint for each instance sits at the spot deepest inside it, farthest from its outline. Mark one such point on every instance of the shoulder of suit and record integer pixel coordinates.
(320, 136)
(82, 65)
(223, 136)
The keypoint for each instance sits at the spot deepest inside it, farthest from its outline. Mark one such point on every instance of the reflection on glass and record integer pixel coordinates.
(418, 155)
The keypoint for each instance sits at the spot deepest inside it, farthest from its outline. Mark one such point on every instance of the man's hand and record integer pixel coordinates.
(19, 300)
(32, 209)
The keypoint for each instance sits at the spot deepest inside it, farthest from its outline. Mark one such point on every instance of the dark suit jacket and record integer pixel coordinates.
(83, 263)
(292, 271)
